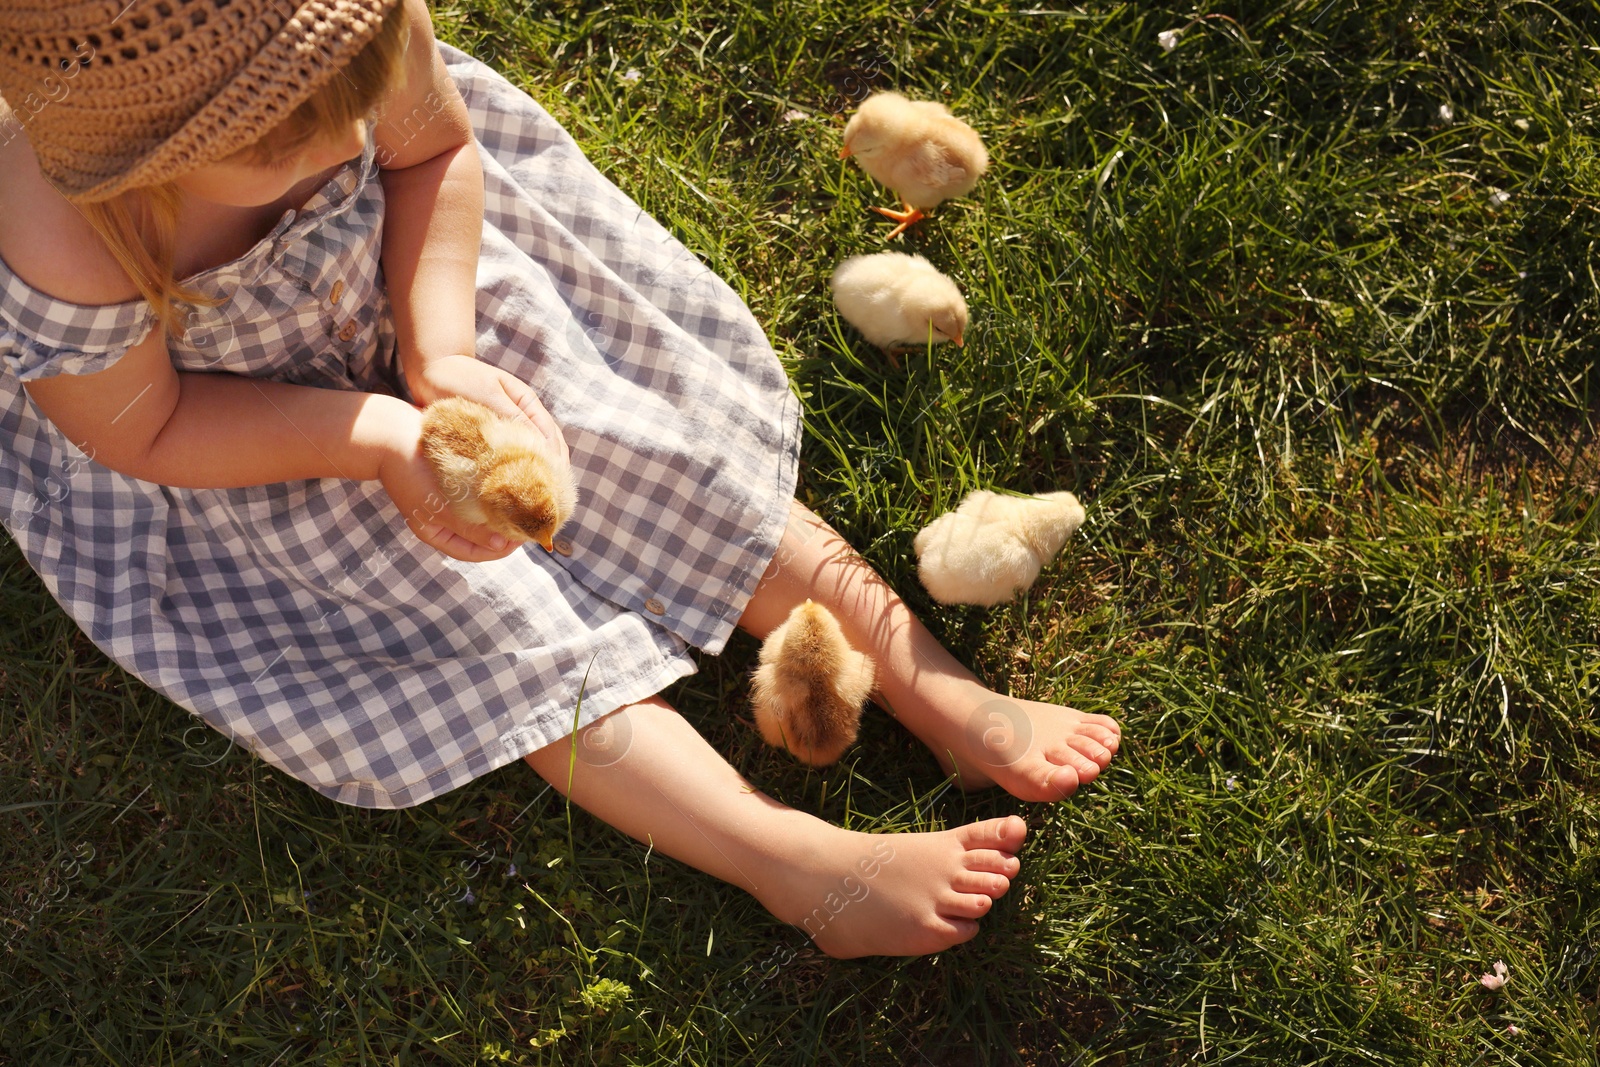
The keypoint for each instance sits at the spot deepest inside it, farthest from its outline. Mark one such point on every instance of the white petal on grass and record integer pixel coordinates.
(1497, 197)
(1105, 172)
(1168, 39)
(1446, 113)
(794, 114)
(631, 75)
(1497, 978)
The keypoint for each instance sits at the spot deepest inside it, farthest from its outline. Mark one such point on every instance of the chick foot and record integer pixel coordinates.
(1034, 751)
(907, 218)
(910, 894)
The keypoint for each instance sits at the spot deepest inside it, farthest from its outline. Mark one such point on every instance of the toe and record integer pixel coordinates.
(983, 859)
(959, 906)
(990, 885)
(949, 925)
(1092, 749)
(1068, 756)
(1003, 835)
(962, 929)
(1104, 735)
(1105, 722)
(1062, 783)
(1013, 831)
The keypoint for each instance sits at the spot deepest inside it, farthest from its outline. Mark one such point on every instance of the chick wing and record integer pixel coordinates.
(893, 299)
(935, 167)
(498, 472)
(456, 445)
(963, 560)
(993, 546)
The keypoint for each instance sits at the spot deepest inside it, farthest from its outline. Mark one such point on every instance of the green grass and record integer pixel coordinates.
(1329, 400)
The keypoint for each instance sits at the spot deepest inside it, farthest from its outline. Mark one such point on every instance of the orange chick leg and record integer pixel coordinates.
(906, 219)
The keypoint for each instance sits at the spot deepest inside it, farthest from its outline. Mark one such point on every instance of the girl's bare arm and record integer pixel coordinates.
(143, 418)
(433, 212)
(432, 230)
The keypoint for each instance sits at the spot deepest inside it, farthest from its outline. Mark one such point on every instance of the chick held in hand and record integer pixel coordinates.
(993, 546)
(498, 472)
(899, 302)
(810, 688)
(918, 149)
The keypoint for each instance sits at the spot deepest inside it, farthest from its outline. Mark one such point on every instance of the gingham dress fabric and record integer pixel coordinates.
(303, 619)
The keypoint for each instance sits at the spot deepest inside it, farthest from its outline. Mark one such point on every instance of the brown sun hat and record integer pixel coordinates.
(115, 95)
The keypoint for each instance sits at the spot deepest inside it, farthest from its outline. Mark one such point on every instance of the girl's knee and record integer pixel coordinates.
(605, 742)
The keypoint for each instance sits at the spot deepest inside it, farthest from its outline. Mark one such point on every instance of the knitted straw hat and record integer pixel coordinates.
(116, 94)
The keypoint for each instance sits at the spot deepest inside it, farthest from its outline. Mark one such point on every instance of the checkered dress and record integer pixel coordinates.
(303, 619)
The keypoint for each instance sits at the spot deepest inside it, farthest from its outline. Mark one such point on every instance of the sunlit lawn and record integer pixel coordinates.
(1303, 310)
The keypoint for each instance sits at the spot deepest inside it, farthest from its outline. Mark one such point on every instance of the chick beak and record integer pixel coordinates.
(547, 542)
(957, 340)
(844, 153)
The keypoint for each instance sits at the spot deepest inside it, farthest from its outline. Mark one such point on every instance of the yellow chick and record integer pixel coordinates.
(810, 687)
(993, 546)
(898, 301)
(498, 472)
(918, 149)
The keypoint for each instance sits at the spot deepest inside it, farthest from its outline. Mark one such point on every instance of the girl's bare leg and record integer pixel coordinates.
(1034, 751)
(647, 772)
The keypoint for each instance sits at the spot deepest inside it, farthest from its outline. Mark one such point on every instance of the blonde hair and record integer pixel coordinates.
(139, 226)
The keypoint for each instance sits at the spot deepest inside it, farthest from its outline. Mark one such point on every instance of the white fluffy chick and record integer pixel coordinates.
(993, 546)
(810, 687)
(898, 301)
(918, 149)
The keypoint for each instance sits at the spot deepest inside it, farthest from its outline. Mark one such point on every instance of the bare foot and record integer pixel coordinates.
(1034, 751)
(860, 894)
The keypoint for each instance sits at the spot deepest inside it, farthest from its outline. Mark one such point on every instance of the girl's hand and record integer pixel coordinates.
(506, 394)
(412, 485)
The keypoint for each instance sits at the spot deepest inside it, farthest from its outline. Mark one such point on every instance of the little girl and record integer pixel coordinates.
(241, 241)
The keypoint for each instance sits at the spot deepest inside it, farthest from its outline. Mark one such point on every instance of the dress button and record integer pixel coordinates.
(348, 330)
(338, 291)
(563, 546)
(655, 607)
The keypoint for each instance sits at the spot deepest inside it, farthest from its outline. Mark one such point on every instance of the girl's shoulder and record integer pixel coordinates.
(46, 243)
